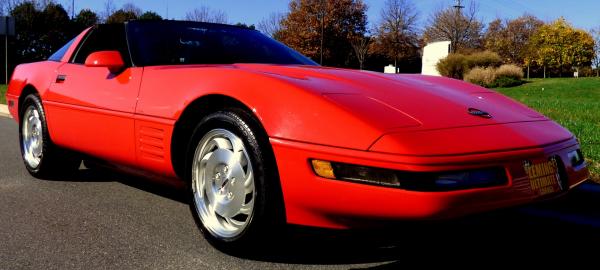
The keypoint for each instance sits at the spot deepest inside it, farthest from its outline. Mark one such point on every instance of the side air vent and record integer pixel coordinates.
(151, 143)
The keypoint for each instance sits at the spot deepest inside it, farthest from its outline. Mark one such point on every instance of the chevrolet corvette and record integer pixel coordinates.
(261, 136)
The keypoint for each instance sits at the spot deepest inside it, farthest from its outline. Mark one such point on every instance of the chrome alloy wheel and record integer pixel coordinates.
(32, 138)
(223, 184)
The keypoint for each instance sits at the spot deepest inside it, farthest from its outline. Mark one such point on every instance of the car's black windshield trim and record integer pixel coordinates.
(159, 43)
(80, 44)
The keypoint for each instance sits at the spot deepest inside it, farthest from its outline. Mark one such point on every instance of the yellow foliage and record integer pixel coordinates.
(559, 44)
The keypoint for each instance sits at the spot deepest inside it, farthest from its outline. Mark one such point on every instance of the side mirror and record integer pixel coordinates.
(109, 59)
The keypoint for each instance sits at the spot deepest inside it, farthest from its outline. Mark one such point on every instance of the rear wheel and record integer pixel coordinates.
(42, 158)
(234, 192)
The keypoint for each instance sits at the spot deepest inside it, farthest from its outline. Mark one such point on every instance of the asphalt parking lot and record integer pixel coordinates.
(103, 220)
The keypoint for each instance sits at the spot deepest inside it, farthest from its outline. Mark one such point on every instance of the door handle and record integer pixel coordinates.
(61, 78)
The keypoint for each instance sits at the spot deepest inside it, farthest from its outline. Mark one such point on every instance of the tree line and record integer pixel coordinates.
(337, 33)
(541, 48)
(44, 26)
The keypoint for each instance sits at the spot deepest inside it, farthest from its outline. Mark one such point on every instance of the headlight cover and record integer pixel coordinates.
(414, 181)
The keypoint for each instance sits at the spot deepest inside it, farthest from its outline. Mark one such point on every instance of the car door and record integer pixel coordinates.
(90, 109)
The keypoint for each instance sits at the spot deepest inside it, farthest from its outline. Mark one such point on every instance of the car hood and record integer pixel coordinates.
(395, 102)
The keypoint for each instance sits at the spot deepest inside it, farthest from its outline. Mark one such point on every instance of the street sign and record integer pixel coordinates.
(7, 26)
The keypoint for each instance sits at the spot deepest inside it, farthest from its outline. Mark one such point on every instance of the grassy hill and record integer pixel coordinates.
(574, 103)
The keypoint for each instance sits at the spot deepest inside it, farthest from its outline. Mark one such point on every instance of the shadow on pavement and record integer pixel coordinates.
(544, 233)
(168, 189)
(562, 227)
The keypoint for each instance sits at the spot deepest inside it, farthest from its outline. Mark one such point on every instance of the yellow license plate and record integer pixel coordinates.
(543, 177)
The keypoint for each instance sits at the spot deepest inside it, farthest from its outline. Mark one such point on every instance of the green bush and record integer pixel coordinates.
(453, 66)
(484, 59)
(456, 65)
(506, 82)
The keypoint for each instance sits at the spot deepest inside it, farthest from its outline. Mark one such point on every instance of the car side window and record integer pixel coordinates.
(58, 55)
(109, 37)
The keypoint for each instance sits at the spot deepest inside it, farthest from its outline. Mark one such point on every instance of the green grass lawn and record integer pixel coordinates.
(574, 103)
(2, 93)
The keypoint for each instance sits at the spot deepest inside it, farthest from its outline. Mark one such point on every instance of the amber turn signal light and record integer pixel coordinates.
(323, 168)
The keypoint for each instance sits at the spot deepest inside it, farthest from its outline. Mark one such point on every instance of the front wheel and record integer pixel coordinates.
(42, 158)
(233, 181)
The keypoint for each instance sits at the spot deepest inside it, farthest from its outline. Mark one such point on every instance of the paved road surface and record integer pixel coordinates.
(99, 220)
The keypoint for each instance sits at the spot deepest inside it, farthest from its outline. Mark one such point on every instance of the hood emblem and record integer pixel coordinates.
(480, 113)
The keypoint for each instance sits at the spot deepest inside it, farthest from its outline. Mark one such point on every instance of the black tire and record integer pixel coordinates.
(53, 161)
(268, 214)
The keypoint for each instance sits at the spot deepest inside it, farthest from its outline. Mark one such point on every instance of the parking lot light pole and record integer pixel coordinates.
(5, 19)
(7, 28)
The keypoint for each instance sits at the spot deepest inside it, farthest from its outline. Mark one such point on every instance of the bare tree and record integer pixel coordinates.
(596, 59)
(399, 16)
(206, 14)
(6, 6)
(463, 29)
(109, 9)
(41, 4)
(271, 25)
(130, 7)
(361, 49)
(397, 36)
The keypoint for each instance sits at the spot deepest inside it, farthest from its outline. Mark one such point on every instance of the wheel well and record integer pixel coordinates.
(204, 106)
(27, 90)
(188, 120)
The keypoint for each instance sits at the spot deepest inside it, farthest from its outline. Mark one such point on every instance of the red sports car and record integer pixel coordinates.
(263, 136)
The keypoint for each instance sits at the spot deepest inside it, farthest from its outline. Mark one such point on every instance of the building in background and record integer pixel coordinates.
(432, 54)
(391, 69)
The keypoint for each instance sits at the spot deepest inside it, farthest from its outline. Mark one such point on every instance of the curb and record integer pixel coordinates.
(4, 111)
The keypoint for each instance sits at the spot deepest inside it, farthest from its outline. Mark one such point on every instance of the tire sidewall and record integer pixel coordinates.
(34, 100)
(239, 124)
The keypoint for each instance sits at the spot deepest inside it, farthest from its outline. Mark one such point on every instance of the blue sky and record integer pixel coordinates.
(582, 13)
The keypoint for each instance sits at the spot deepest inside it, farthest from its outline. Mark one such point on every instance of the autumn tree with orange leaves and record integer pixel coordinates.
(509, 38)
(324, 29)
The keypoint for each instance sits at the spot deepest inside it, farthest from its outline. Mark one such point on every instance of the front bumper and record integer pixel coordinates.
(314, 201)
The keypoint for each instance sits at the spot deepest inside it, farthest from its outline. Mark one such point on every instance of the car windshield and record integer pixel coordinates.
(182, 43)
